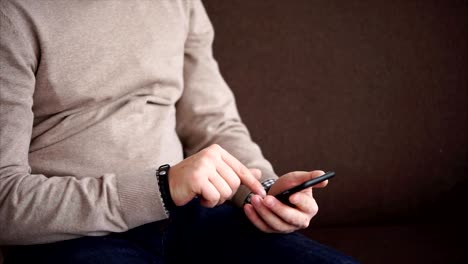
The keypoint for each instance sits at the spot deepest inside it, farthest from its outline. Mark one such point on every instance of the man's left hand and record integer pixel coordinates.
(271, 216)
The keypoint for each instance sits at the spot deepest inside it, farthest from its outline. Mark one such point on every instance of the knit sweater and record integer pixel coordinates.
(95, 95)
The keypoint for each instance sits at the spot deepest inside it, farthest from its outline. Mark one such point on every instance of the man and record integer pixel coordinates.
(101, 101)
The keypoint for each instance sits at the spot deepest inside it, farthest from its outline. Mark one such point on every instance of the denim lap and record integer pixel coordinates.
(224, 235)
(193, 233)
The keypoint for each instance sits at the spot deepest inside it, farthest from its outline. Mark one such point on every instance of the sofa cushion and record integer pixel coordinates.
(396, 243)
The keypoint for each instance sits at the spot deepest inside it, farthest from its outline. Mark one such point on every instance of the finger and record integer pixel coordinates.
(228, 175)
(256, 220)
(270, 218)
(289, 215)
(209, 195)
(303, 176)
(318, 173)
(305, 202)
(321, 184)
(243, 173)
(256, 172)
(221, 186)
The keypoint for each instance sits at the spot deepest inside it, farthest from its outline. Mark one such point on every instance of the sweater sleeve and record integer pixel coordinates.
(206, 112)
(38, 208)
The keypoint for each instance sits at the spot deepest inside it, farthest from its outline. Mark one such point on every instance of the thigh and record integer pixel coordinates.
(224, 235)
(290, 248)
(107, 249)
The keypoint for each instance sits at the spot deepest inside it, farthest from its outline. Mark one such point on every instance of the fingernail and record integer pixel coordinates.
(255, 200)
(262, 192)
(269, 201)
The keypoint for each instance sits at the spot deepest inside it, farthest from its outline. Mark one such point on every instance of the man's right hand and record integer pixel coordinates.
(212, 174)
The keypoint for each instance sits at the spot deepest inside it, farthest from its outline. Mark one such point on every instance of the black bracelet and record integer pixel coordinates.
(162, 174)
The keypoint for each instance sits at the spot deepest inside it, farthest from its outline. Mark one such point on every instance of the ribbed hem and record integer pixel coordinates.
(140, 199)
(243, 192)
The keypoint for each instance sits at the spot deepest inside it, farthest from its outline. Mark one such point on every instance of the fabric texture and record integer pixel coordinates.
(95, 95)
(193, 234)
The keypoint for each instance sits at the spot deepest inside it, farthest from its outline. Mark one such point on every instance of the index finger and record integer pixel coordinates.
(244, 174)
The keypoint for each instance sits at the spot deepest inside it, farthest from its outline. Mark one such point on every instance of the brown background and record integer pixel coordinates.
(374, 90)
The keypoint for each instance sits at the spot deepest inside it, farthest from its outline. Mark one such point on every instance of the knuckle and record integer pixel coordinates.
(216, 196)
(197, 176)
(214, 150)
(235, 182)
(202, 162)
(298, 221)
(208, 155)
(215, 146)
(304, 223)
(234, 190)
(315, 209)
(280, 228)
(222, 194)
(210, 152)
(244, 172)
(212, 202)
(207, 162)
(227, 194)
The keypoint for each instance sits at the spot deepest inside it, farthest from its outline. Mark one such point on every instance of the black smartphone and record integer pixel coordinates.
(284, 196)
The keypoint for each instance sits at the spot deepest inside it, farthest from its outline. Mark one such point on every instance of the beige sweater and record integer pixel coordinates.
(95, 95)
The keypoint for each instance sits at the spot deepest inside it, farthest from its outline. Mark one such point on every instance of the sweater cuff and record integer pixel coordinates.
(140, 199)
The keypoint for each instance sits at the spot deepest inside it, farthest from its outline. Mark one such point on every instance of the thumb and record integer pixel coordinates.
(315, 174)
(300, 177)
(256, 173)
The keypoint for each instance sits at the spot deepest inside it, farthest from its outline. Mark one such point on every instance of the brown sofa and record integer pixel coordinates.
(374, 90)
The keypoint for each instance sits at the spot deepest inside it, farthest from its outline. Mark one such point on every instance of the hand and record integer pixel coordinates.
(211, 174)
(271, 216)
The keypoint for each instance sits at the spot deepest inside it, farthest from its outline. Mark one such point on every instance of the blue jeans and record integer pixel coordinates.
(193, 233)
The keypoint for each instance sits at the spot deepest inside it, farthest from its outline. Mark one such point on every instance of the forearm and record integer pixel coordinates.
(207, 112)
(38, 209)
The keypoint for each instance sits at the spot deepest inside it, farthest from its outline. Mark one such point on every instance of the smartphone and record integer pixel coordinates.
(284, 196)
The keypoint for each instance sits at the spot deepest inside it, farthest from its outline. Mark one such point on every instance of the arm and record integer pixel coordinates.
(206, 112)
(36, 208)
